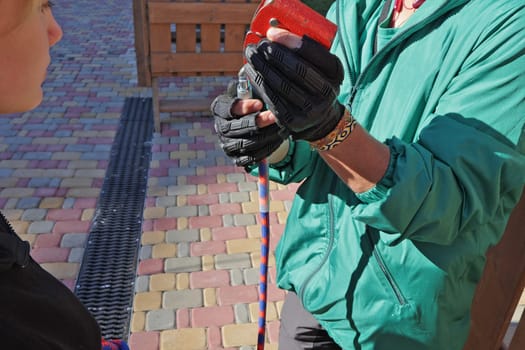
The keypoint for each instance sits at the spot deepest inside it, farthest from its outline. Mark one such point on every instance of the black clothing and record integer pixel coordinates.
(37, 311)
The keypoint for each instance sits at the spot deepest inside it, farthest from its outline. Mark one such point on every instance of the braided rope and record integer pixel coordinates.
(264, 209)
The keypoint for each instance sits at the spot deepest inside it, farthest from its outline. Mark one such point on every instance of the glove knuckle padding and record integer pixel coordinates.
(301, 72)
(327, 63)
(300, 86)
(253, 146)
(260, 87)
(238, 128)
(279, 94)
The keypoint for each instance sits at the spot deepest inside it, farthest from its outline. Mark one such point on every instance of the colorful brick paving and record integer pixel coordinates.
(198, 274)
(196, 285)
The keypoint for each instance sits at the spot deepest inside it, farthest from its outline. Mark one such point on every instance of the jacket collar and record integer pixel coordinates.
(427, 13)
(432, 10)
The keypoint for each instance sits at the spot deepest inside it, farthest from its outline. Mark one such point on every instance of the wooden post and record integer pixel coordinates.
(500, 288)
(518, 340)
(140, 23)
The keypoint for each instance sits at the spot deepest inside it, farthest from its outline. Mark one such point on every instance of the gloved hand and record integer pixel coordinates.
(239, 136)
(300, 86)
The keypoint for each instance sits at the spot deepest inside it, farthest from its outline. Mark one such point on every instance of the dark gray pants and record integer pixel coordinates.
(299, 329)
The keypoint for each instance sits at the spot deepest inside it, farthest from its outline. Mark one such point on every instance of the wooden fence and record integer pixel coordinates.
(183, 38)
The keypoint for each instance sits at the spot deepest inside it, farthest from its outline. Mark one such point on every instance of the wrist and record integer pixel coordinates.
(340, 133)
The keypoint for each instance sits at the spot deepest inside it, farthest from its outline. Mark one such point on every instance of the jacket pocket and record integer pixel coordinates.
(391, 284)
(330, 224)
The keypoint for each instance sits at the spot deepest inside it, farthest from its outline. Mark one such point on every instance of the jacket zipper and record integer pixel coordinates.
(391, 281)
(328, 249)
(382, 52)
(351, 73)
(377, 57)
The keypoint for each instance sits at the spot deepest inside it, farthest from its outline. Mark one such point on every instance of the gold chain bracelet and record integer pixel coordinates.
(341, 132)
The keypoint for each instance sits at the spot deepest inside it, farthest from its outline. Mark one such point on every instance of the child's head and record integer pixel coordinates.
(27, 31)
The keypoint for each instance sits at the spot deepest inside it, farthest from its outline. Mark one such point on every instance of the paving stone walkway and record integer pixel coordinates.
(196, 285)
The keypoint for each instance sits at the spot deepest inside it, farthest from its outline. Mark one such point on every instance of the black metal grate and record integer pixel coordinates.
(106, 280)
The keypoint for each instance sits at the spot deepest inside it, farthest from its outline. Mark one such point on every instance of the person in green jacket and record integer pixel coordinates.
(408, 138)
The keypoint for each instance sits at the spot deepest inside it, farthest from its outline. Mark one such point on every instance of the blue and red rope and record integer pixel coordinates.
(114, 345)
(244, 92)
(264, 212)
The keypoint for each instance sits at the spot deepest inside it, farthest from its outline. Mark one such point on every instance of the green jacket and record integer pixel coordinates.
(395, 268)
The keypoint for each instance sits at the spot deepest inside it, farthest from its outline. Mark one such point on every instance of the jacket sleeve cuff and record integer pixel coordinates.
(287, 158)
(251, 169)
(380, 190)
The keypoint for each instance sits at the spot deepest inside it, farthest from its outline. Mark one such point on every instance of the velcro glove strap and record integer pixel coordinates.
(299, 86)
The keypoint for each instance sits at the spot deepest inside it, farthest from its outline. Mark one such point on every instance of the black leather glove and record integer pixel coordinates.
(299, 86)
(239, 136)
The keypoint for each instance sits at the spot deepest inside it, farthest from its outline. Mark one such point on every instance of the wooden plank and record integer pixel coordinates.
(197, 12)
(234, 37)
(186, 38)
(186, 105)
(193, 57)
(518, 340)
(141, 28)
(226, 63)
(210, 37)
(160, 38)
(500, 287)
